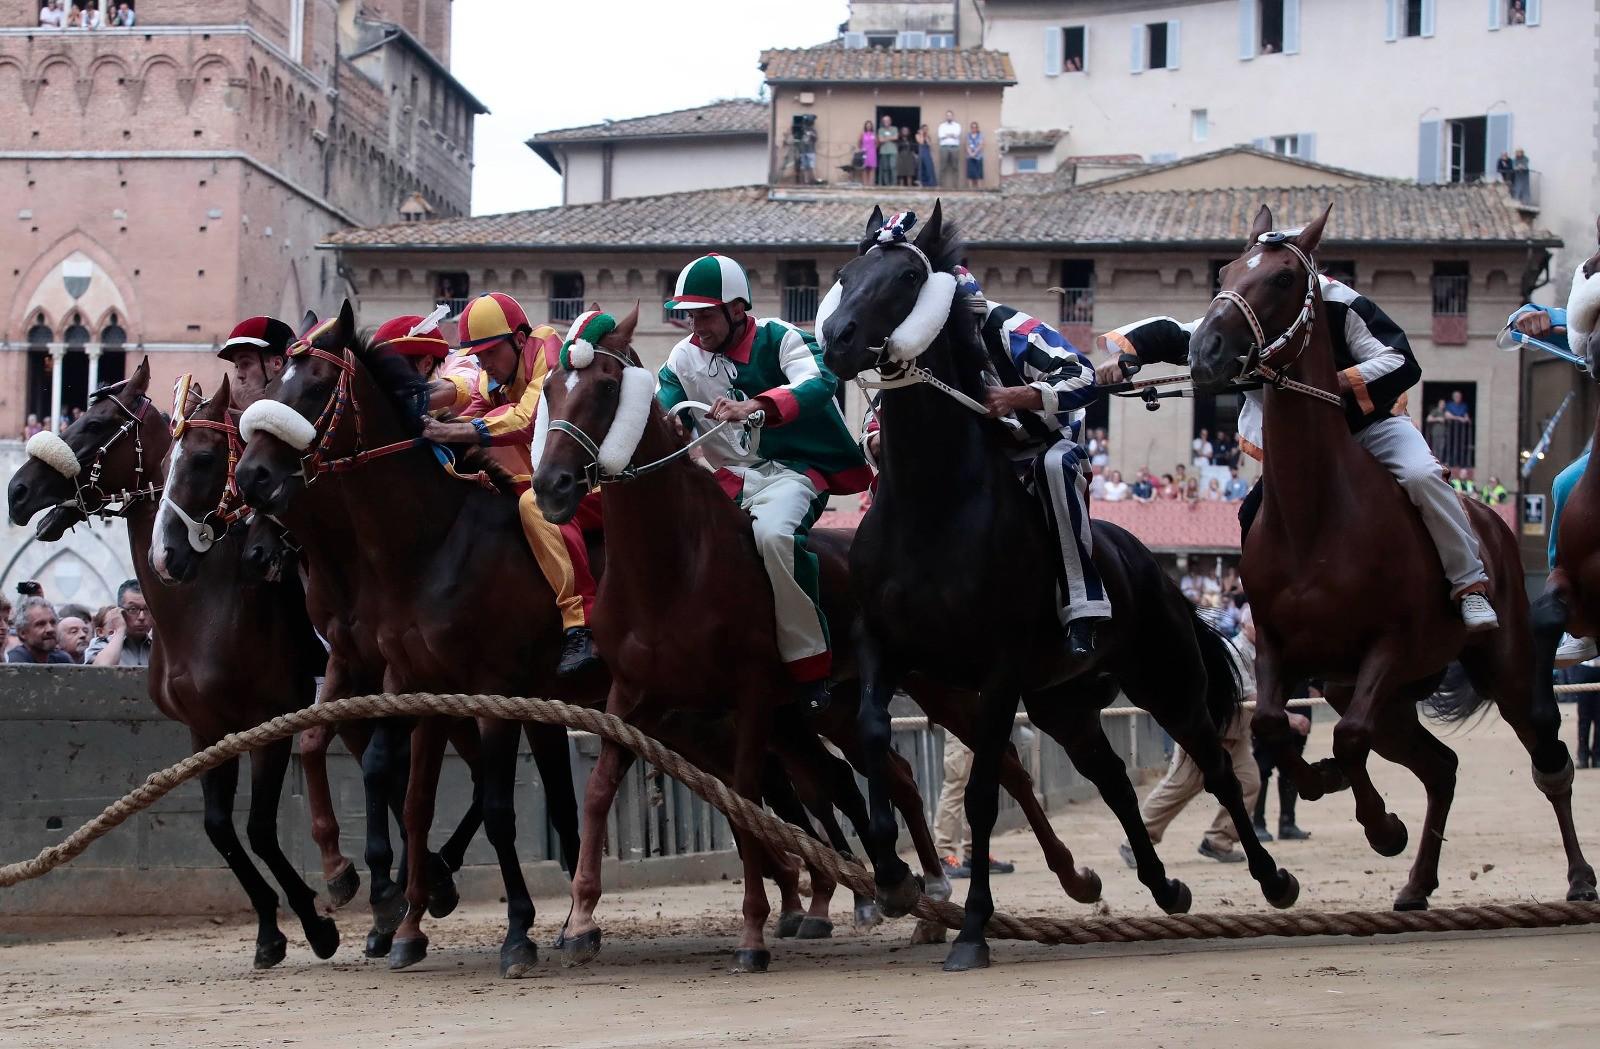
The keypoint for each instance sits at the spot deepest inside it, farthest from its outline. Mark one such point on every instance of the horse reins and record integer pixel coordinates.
(230, 508)
(103, 504)
(1257, 363)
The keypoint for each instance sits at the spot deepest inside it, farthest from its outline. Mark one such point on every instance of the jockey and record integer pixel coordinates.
(739, 365)
(1376, 368)
(499, 410)
(417, 339)
(257, 349)
(1034, 366)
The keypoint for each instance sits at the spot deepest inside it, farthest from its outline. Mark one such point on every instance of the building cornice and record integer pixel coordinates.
(249, 32)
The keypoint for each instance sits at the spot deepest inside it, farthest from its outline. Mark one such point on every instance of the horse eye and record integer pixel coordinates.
(203, 460)
(1284, 279)
(609, 387)
(909, 276)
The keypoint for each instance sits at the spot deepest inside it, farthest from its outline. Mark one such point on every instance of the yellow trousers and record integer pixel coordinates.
(550, 550)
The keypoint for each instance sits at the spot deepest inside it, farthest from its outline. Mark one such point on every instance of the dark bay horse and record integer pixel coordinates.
(685, 617)
(229, 653)
(200, 508)
(955, 574)
(1345, 581)
(421, 583)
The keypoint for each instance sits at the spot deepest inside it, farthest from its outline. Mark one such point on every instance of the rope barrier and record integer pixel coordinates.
(778, 834)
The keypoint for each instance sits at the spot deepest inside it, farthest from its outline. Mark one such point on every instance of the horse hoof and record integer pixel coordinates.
(928, 932)
(1089, 887)
(580, 949)
(752, 960)
(965, 956)
(789, 923)
(813, 928)
(1330, 778)
(897, 900)
(323, 936)
(1583, 894)
(1179, 898)
(867, 914)
(389, 912)
(1288, 891)
(406, 953)
(1389, 837)
(518, 959)
(342, 887)
(378, 944)
(271, 952)
(442, 894)
(1414, 903)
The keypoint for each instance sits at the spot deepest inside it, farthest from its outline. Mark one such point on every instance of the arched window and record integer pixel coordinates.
(113, 358)
(39, 365)
(75, 366)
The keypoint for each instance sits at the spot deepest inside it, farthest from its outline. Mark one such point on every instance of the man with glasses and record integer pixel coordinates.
(129, 641)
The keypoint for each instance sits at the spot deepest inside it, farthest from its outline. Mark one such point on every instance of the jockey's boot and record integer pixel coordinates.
(577, 653)
(1080, 638)
(814, 695)
(1478, 613)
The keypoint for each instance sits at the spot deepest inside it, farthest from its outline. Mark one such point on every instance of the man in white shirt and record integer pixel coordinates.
(1202, 449)
(50, 14)
(950, 150)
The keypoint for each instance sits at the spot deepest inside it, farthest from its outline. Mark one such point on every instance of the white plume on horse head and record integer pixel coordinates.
(1583, 311)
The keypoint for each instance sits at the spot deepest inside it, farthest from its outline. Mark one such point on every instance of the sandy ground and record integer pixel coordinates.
(661, 979)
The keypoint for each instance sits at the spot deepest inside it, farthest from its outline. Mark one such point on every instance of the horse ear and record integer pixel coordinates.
(345, 326)
(874, 222)
(1262, 224)
(933, 229)
(309, 321)
(218, 406)
(139, 381)
(1311, 236)
(623, 333)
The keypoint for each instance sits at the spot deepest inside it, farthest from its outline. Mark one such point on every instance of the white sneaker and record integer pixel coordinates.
(1575, 650)
(1478, 614)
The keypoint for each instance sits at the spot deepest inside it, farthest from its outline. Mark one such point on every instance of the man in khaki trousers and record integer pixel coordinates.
(950, 835)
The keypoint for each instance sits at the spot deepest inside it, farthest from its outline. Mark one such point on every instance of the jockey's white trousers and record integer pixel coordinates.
(1402, 449)
(1057, 479)
(784, 505)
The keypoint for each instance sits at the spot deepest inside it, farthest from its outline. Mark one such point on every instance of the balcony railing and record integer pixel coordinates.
(1454, 441)
(1450, 309)
(1077, 306)
(800, 305)
(565, 311)
(456, 305)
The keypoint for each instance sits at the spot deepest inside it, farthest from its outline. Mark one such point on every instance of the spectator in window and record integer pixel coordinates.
(124, 17)
(1435, 427)
(1237, 487)
(128, 639)
(974, 156)
(1170, 492)
(1144, 489)
(950, 150)
(1517, 14)
(1191, 490)
(1213, 492)
(906, 161)
(1227, 449)
(1202, 448)
(869, 154)
(50, 14)
(1504, 167)
(33, 426)
(1116, 488)
(888, 150)
(1457, 410)
(1521, 177)
(35, 624)
(91, 17)
(926, 174)
(1180, 475)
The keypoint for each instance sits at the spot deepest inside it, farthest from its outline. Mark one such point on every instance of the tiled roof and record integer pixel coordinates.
(835, 63)
(1021, 138)
(750, 217)
(733, 116)
(1201, 158)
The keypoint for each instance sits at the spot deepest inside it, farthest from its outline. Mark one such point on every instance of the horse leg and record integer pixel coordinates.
(581, 940)
(498, 762)
(553, 756)
(443, 897)
(971, 950)
(338, 873)
(897, 886)
(790, 789)
(1270, 725)
(267, 769)
(1402, 739)
(427, 756)
(218, 786)
(908, 800)
(1352, 743)
(380, 781)
(753, 729)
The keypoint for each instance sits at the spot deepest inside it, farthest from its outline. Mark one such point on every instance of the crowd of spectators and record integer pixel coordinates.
(1179, 486)
(117, 635)
(887, 155)
(86, 14)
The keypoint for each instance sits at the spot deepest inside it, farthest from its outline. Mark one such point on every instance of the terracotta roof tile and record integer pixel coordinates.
(733, 116)
(872, 65)
(1024, 138)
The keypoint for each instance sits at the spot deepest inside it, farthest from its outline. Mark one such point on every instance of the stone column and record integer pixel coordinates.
(93, 350)
(58, 356)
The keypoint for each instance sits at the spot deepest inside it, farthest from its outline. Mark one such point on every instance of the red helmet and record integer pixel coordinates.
(266, 334)
(411, 336)
(488, 319)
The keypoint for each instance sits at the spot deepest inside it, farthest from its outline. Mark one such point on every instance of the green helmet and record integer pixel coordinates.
(710, 280)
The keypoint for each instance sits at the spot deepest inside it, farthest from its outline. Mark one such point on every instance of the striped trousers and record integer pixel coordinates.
(1058, 478)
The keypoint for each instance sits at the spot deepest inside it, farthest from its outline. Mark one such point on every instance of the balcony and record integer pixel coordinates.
(1077, 316)
(565, 311)
(1450, 309)
(800, 305)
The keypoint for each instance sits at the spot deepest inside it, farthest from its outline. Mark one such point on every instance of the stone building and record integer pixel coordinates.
(165, 180)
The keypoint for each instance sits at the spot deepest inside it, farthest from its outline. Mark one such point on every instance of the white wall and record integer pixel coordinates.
(1361, 96)
(643, 169)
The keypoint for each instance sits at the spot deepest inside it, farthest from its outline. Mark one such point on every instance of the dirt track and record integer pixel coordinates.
(661, 979)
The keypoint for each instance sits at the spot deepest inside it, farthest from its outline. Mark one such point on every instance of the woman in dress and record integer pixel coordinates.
(869, 153)
(974, 156)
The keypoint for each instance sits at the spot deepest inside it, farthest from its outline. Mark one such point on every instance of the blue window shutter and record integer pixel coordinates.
(1497, 141)
(1391, 31)
(1052, 50)
(1428, 151)
(1291, 27)
(1172, 44)
(1262, 144)
(1308, 146)
(1497, 13)
(1247, 29)
(1532, 10)
(1137, 61)
(1428, 11)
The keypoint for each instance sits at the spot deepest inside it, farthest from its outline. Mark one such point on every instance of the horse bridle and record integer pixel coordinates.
(230, 508)
(88, 498)
(1257, 363)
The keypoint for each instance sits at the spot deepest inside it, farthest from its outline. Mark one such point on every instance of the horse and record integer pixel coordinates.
(1344, 579)
(200, 506)
(228, 653)
(684, 588)
(956, 577)
(401, 558)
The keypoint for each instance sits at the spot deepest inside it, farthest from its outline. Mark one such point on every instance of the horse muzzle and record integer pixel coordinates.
(558, 490)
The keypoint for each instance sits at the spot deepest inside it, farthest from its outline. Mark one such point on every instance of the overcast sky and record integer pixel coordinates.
(545, 65)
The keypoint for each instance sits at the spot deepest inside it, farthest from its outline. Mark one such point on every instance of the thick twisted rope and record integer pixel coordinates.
(778, 834)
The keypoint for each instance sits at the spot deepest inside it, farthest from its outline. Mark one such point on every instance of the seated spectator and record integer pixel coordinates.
(35, 624)
(1191, 490)
(1101, 456)
(1180, 475)
(1116, 489)
(1169, 488)
(1237, 487)
(1144, 489)
(127, 642)
(1097, 485)
(1213, 492)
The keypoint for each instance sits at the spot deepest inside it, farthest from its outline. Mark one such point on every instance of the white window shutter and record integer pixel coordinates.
(1307, 142)
(1428, 151)
(1428, 11)
(1265, 145)
(1497, 13)
(1052, 50)
(1391, 30)
(1172, 44)
(1496, 141)
(1084, 66)
(1291, 27)
(1247, 29)
(1137, 61)
(1532, 10)
(855, 40)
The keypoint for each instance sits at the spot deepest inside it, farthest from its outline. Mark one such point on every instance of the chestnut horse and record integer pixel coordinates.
(228, 654)
(956, 576)
(1345, 582)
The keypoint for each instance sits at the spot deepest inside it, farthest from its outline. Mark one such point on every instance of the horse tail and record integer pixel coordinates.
(1223, 684)
(1454, 699)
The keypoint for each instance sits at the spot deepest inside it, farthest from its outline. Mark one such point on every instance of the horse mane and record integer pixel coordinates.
(399, 381)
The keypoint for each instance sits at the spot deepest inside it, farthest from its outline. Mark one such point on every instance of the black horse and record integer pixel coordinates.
(956, 577)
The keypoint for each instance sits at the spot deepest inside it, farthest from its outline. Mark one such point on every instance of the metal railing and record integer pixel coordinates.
(1454, 440)
(1077, 306)
(456, 305)
(800, 305)
(565, 311)
(1450, 294)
